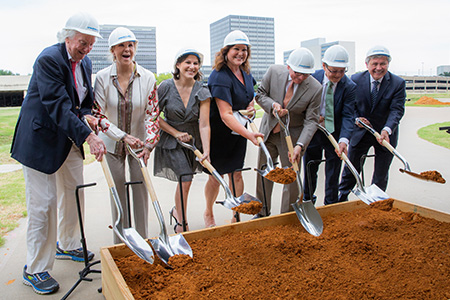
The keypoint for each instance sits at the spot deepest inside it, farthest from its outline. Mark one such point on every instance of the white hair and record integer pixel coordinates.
(65, 33)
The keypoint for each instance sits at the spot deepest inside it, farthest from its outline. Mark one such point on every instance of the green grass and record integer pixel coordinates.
(12, 202)
(8, 119)
(432, 134)
(414, 97)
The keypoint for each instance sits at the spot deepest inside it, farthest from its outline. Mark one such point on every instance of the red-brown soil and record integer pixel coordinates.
(251, 208)
(282, 175)
(425, 100)
(377, 252)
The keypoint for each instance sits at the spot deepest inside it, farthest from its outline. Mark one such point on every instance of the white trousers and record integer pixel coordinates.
(46, 197)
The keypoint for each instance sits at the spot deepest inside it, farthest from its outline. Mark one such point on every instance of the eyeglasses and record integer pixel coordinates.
(336, 71)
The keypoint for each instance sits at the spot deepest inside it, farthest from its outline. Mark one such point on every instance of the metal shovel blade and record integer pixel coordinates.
(130, 236)
(309, 217)
(137, 244)
(370, 194)
(164, 246)
(231, 202)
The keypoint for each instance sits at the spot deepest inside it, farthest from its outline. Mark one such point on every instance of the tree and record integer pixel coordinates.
(445, 74)
(162, 76)
(7, 72)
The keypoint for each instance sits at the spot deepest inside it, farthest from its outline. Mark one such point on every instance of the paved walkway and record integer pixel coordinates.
(421, 155)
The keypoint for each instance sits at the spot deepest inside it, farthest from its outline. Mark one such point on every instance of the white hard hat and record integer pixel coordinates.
(378, 50)
(301, 60)
(83, 23)
(186, 51)
(121, 35)
(236, 37)
(336, 56)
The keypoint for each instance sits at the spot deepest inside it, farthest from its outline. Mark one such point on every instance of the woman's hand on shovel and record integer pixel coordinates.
(145, 154)
(295, 157)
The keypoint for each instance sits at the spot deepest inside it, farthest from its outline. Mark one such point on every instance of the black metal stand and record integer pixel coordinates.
(308, 175)
(361, 163)
(446, 128)
(87, 266)
(183, 215)
(236, 214)
(127, 185)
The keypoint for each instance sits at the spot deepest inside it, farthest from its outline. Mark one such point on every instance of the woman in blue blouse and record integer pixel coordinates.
(231, 86)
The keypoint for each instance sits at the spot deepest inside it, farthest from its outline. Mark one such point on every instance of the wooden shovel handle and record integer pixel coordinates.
(205, 162)
(336, 146)
(385, 143)
(107, 172)
(291, 151)
(149, 185)
(255, 130)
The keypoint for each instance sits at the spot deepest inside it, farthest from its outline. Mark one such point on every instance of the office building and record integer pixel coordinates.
(443, 69)
(145, 54)
(261, 33)
(318, 46)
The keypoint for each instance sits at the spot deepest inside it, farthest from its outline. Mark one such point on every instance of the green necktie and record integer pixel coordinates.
(329, 108)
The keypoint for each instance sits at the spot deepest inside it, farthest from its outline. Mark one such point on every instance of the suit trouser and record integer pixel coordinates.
(48, 196)
(333, 164)
(276, 145)
(139, 196)
(383, 160)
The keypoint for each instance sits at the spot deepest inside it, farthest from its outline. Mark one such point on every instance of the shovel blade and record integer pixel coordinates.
(309, 217)
(137, 244)
(176, 245)
(231, 202)
(370, 194)
(179, 245)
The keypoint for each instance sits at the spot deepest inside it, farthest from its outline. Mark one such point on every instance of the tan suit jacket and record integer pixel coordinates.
(303, 107)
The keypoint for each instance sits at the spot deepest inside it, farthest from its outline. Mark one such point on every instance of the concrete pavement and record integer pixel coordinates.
(420, 154)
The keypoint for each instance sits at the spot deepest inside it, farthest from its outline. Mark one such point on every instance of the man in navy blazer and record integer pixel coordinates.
(48, 143)
(380, 102)
(340, 113)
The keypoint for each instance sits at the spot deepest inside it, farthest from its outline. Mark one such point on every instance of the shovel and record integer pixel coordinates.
(406, 168)
(165, 246)
(278, 175)
(230, 201)
(129, 236)
(368, 194)
(306, 212)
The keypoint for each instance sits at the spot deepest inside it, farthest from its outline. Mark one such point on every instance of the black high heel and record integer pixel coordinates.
(176, 221)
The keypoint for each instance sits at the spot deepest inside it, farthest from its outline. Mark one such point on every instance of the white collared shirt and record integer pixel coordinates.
(81, 89)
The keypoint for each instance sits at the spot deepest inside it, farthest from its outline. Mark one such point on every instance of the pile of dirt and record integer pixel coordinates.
(377, 252)
(425, 100)
(433, 175)
(251, 208)
(282, 175)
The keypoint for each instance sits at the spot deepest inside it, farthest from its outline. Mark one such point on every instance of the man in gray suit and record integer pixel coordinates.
(287, 90)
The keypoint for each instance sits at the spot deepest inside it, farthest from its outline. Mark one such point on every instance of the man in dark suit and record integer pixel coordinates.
(380, 102)
(48, 143)
(288, 90)
(337, 115)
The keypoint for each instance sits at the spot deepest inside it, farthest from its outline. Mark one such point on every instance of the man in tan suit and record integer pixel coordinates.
(288, 90)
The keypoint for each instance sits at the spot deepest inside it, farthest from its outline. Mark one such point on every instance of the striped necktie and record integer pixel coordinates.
(374, 93)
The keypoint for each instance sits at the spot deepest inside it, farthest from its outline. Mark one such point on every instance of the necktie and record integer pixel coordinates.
(374, 93)
(74, 65)
(287, 98)
(289, 93)
(329, 108)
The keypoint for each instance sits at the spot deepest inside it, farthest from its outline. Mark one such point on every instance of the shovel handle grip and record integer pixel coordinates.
(291, 151)
(385, 143)
(255, 130)
(206, 163)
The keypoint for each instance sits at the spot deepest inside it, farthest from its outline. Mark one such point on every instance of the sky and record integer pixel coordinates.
(415, 32)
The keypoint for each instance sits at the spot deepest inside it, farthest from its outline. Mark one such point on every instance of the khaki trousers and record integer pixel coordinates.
(48, 196)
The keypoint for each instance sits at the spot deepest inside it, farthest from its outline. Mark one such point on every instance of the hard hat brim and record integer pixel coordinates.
(83, 31)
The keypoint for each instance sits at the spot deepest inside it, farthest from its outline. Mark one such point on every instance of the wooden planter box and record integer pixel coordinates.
(115, 287)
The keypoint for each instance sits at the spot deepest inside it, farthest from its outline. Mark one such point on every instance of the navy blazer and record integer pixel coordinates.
(344, 105)
(389, 107)
(49, 120)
